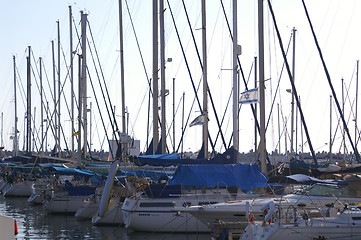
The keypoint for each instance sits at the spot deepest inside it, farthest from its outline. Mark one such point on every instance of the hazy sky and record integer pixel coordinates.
(336, 23)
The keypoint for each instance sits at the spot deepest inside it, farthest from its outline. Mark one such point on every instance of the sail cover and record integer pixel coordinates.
(244, 176)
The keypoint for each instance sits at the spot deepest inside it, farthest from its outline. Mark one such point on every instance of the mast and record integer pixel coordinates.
(122, 81)
(80, 100)
(205, 81)
(54, 96)
(162, 74)
(262, 145)
(59, 92)
(293, 96)
(71, 76)
(28, 112)
(122, 65)
(15, 140)
(235, 83)
(155, 77)
(84, 83)
(42, 106)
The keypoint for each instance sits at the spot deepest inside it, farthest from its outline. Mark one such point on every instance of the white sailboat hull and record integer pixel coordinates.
(19, 189)
(346, 226)
(64, 204)
(114, 216)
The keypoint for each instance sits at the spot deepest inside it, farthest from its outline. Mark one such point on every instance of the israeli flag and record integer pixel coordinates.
(198, 120)
(250, 96)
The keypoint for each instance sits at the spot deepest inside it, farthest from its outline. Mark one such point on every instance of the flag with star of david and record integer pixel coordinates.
(250, 96)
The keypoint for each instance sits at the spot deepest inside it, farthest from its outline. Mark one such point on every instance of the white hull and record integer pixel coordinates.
(346, 226)
(41, 189)
(166, 214)
(20, 189)
(236, 211)
(163, 222)
(64, 204)
(113, 216)
(87, 210)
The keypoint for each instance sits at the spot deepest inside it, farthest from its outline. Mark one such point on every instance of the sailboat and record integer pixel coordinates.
(345, 225)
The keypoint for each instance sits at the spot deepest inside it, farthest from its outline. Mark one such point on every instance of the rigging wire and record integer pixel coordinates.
(330, 84)
(208, 89)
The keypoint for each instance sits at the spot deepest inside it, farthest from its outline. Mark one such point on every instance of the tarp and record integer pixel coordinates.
(72, 171)
(244, 176)
(174, 159)
(303, 179)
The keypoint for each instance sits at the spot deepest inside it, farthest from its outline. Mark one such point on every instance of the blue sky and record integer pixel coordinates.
(33, 23)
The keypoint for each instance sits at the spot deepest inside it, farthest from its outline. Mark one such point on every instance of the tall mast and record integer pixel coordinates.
(262, 145)
(155, 77)
(80, 101)
(71, 76)
(293, 96)
(162, 74)
(205, 82)
(28, 112)
(59, 91)
(122, 81)
(121, 42)
(15, 140)
(54, 96)
(235, 83)
(84, 82)
(41, 106)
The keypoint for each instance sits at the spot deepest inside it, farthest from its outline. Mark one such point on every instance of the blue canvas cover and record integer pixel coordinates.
(244, 176)
(73, 171)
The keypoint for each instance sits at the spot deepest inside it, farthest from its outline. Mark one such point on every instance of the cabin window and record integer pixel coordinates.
(206, 203)
(157, 204)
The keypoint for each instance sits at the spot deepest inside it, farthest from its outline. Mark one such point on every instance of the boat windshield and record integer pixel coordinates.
(329, 190)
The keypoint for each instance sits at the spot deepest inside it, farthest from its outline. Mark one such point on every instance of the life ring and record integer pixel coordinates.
(18, 180)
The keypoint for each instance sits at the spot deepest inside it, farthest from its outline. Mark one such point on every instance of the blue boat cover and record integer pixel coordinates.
(72, 171)
(243, 176)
